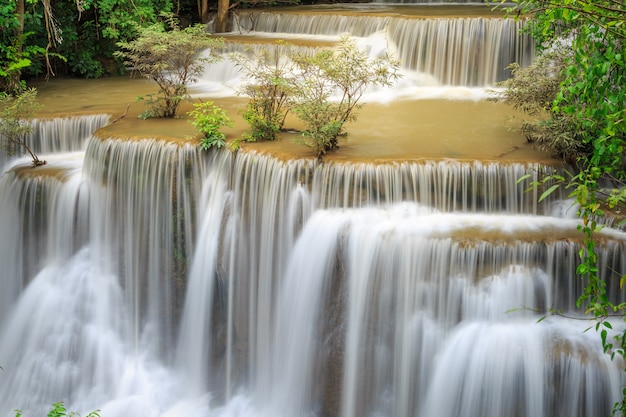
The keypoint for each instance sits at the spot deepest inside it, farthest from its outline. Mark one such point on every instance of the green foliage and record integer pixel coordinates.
(269, 88)
(71, 37)
(590, 35)
(589, 107)
(89, 41)
(118, 19)
(170, 58)
(15, 113)
(533, 90)
(59, 410)
(264, 125)
(344, 72)
(16, 51)
(209, 119)
(323, 89)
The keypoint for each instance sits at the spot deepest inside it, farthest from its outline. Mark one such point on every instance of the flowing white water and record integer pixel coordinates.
(327, 290)
(442, 57)
(149, 279)
(65, 134)
(194, 341)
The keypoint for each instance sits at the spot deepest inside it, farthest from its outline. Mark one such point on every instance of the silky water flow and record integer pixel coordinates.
(148, 278)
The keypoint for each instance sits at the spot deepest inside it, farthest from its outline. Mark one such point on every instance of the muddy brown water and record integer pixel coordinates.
(399, 130)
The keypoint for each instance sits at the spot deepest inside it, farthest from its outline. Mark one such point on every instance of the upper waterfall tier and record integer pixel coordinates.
(454, 46)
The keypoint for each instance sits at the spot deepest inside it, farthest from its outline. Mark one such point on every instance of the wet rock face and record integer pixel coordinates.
(333, 341)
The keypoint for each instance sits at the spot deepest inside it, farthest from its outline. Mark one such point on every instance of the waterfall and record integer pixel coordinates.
(64, 134)
(443, 185)
(143, 207)
(469, 51)
(325, 24)
(146, 278)
(96, 245)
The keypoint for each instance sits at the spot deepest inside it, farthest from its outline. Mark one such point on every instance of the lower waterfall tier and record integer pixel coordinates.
(154, 280)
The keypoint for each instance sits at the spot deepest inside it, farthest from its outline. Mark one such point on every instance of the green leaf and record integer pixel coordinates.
(548, 192)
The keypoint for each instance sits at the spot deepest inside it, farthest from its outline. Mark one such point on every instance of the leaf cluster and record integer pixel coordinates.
(118, 19)
(59, 410)
(589, 110)
(16, 111)
(269, 87)
(533, 90)
(172, 57)
(329, 87)
(209, 119)
(16, 51)
(323, 89)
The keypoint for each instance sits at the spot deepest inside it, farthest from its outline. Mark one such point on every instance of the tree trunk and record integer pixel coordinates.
(19, 11)
(221, 24)
(18, 33)
(204, 11)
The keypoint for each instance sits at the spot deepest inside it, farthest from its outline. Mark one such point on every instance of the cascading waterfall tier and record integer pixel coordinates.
(94, 255)
(163, 281)
(150, 279)
(65, 134)
(469, 51)
(61, 134)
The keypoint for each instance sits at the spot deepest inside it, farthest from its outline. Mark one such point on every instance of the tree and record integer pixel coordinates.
(15, 112)
(172, 59)
(221, 21)
(593, 73)
(68, 36)
(89, 41)
(323, 89)
(269, 86)
(328, 87)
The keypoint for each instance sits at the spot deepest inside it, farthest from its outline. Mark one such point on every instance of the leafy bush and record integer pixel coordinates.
(59, 410)
(171, 58)
(16, 53)
(269, 87)
(209, 119)
(323, 89)
(533, 90)
(344, 72)
(15, 112)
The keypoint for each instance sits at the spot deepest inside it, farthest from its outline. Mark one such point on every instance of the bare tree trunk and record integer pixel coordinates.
(204, 11)
(221, 24)
(19, 11)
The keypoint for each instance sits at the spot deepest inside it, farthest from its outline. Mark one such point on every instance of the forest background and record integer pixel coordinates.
(42, 38)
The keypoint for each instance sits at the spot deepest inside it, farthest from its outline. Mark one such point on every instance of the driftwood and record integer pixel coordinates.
(122, 116)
